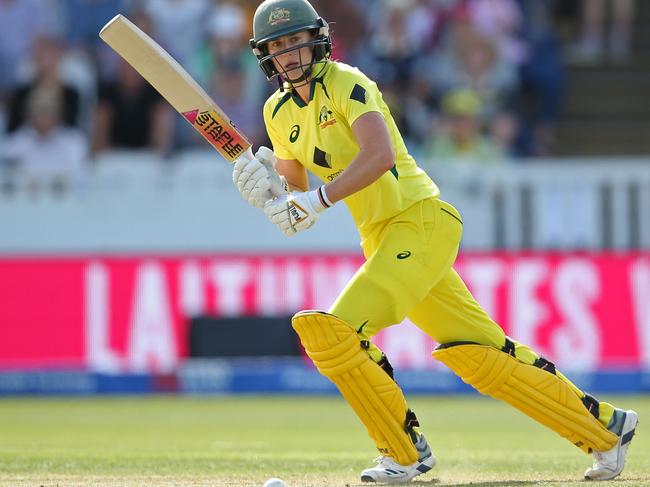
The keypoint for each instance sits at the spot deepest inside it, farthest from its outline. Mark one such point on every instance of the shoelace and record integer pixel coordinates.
(380, 459)
(386, 462)
(598, 458)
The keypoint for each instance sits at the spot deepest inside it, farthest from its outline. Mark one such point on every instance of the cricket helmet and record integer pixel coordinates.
(277, 18)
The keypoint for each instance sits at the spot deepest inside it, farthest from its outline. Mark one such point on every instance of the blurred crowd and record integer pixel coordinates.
(467, 80)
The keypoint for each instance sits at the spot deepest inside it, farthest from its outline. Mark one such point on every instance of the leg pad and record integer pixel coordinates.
(337, 352)
(536, 392)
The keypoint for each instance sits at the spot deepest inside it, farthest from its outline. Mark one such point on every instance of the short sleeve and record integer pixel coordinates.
(356, 95)
(279, 148)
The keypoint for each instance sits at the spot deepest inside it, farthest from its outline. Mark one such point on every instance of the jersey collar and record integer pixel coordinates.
(312, 86)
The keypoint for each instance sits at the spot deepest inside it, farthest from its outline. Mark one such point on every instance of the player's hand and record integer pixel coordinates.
(296, 212)
(256, 177)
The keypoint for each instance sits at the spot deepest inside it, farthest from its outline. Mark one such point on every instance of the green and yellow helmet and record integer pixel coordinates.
(277, 18)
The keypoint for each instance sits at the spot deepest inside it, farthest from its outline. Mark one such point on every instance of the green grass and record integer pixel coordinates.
(313, 441)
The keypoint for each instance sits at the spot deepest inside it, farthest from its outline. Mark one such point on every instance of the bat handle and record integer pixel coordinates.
(278, 184)
(266, 157)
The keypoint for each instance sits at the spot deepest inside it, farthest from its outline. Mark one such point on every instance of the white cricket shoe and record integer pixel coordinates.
(609, 464)
(388, 471)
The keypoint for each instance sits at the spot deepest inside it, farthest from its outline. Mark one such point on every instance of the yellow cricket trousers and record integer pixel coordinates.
(408, 273)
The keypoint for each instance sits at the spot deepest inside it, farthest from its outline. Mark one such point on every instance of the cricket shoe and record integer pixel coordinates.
(388, 471)
(609, 464)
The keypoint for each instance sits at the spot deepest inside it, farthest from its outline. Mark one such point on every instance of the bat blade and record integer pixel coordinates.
(182, 92)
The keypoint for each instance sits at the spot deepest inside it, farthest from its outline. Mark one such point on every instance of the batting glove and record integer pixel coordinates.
(297, 211)
(256, 177)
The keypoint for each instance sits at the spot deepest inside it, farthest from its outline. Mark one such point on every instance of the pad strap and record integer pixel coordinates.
(337, 352)
(534, 390)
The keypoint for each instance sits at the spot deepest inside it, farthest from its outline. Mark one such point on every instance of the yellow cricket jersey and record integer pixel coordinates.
(319, 136)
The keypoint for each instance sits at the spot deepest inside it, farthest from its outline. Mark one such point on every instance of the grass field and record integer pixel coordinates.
(307, 441)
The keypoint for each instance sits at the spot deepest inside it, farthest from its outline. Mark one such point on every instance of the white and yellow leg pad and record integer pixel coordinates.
(336, 350)
(536, 392)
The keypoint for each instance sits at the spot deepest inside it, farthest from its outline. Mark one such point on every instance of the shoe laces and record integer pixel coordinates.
(385, 461)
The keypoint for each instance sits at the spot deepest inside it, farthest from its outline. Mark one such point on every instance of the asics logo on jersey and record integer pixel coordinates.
(326, 118)
(295, 132)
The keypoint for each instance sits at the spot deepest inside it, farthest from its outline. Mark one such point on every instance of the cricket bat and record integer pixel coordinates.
(182, 92)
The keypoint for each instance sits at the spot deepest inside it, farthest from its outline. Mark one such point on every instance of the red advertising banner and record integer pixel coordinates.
(114, 314)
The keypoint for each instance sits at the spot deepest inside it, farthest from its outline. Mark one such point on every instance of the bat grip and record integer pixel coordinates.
(266, 157)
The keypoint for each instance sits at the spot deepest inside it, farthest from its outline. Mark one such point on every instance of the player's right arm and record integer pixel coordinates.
(256, 177)
(294, 173)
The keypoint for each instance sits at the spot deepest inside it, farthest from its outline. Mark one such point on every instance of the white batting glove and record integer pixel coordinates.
(256, 177)
(298, 211)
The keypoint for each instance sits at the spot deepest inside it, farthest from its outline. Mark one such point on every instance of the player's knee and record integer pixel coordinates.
(536, 388)
(330, 342)
(320, 328)
(487, 371)
(522, 353)
(382, 361)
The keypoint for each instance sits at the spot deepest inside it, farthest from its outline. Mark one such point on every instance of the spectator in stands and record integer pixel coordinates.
(223, 65)
(409, 90)
(403, 32)
(348, 21)
(229, 91)
(46, 154)
(595, 40)
(500, 21)
(21, 23)
(392, 48)
(85, 18)
(472, 62)
(46, 59)
(130, 114)
(459, 137)
(178, 25)
(543, 79)
(87, 56)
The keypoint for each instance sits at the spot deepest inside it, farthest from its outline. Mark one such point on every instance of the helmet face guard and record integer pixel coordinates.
(321, 48)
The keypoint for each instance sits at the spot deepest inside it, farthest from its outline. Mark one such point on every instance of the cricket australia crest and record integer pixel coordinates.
(325, 118)
(279, 16)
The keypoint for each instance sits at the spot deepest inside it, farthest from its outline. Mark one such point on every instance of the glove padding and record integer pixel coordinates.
(296, 211)
(256, 177)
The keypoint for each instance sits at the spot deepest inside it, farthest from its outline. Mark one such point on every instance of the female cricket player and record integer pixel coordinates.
(330, 119)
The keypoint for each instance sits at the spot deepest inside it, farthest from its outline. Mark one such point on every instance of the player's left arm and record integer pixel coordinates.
(376, 156)
(358, 99)
(299, 211)
(294, 173)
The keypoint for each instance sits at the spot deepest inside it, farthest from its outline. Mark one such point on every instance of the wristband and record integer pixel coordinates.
(322, 196)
